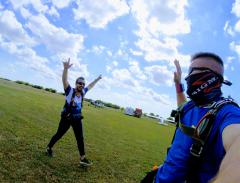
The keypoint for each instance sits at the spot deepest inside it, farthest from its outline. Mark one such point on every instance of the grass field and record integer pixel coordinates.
(121, 147)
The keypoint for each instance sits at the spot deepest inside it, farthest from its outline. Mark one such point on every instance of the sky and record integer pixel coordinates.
(132, 43)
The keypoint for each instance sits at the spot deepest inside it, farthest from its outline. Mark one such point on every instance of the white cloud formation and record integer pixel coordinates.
(237, 26)
(236, 8)
(125, 77)
(108, 68)
(135, 53)
(61, 3)
(28, 57)
(161, 16)
(134, 95)
(53, 12)
(39, 6)
(12, 30)
(136, 71)
(111, 66)
(156, 49)
(235, 47)
(115, 63)
(25, 12)
(228, 29)
(159, 75)
(56, 39)
(228, 62)
(99, 13)
(36, 4)
(158, 22)
(98, 49)
(109, 53)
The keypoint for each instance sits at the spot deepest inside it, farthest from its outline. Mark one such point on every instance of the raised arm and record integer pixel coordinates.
(66, 66)
(181, 98)
(230, 166)
(92, 84)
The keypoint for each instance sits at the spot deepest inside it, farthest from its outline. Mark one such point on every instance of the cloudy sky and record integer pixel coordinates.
(132, 43)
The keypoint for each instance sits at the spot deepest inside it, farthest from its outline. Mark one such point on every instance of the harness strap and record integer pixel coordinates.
(201, 136)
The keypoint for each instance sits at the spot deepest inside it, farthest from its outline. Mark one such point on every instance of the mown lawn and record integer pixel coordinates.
(121, 147)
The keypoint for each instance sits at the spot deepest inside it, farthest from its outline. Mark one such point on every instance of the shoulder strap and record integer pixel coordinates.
(177, 114)
(72, 98)
(201, 135)
(204, 126)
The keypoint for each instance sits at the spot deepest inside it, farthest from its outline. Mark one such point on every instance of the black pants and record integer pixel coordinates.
(63, 127)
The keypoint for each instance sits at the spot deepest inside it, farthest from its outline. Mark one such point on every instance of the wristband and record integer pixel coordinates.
(179, 87)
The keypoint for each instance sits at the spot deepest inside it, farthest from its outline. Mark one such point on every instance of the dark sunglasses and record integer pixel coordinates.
(81, 83)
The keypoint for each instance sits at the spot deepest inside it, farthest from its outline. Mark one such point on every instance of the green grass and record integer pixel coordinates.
(121, 147)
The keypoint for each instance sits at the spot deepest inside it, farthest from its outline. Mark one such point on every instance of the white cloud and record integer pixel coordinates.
(29, 58)
(124, 77)
(228, 62)
(135, 53)
(158, 50)
(237, 26)
(133, 96)
(99, 13)
(12, 30)
(159, 75)
(236, 8)
(56, 39)
(111, 66)
(161, 17)
(37, 5)
(109, 53)
(25, 12)
(115, 63)
(158, 22)
(228, 29)
(61, 3)
(53, 12)
(136, 71)
(235, 47)
(108, 68)
(77, 71)
(98, 49)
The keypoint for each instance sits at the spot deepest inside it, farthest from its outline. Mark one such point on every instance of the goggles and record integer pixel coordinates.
(205, 69)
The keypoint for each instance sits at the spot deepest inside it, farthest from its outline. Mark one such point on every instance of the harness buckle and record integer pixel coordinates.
(196, 149)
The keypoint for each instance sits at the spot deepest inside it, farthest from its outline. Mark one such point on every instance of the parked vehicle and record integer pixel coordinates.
(131, 112)
(138, 112)
(97, 103)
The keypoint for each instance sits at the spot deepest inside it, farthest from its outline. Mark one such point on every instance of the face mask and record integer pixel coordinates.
(204, 87)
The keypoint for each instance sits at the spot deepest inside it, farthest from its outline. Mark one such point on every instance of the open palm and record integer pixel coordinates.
(178, 72)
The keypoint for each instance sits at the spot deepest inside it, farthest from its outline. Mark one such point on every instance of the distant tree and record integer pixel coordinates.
(51, 90)
(5, 79)
(19, 82)
(26, 83)
(37, 86)
(88, 100)
(22, 82)
(99, 101)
